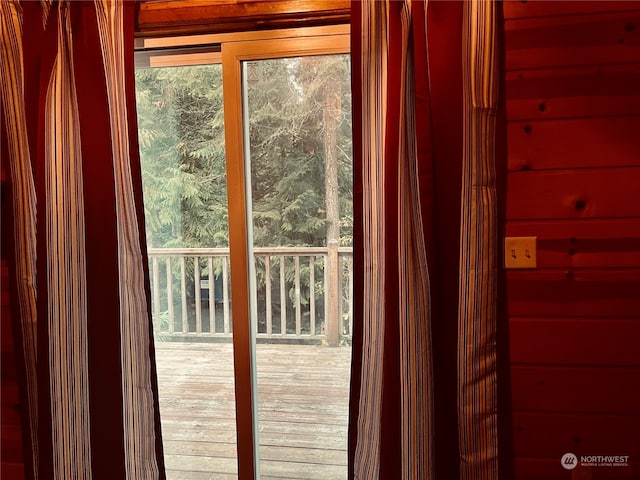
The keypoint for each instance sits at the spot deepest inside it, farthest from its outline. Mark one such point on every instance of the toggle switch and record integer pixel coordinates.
(520, 252)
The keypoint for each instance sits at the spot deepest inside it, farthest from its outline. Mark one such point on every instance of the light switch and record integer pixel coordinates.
(520, 252)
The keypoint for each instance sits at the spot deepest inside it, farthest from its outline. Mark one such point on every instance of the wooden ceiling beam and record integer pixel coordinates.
(181, 17)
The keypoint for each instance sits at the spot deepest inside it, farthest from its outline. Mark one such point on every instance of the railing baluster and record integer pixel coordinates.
(196, 278)
(333, 289)
(183, 294)
(325, 323)
(283, 299)
(296, 263)
(212, 297)
(170, 294)
(312, 295)
(350, 293)
(340, 284)
(156, 290)
(336, 323)
(225, 293)
(267, 286)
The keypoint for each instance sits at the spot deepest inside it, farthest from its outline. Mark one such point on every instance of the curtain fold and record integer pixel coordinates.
(81, 290)
(427, 160)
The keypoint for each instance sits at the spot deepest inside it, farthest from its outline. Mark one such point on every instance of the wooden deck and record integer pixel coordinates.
(303, 393)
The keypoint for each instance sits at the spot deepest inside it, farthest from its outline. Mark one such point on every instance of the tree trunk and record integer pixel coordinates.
(331, 114)
(331, 117)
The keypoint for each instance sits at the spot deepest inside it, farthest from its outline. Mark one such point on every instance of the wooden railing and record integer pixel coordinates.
(302, 295)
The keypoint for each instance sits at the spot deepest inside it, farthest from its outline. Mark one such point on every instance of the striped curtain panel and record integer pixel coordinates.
(81, 287)
(428, 390)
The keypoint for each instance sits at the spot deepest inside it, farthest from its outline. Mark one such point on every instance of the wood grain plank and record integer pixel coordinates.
(574, 81)
(583, 243)
(588, 193)
(559, 41)
(575, 143)
(177, 434)
(576, 389)
(578, 293)
(214, 466)
(549, 435)
(279, 469)
(584, 106)
(514, 9)
(188, 475)
(267, 452)
(550, 469)
(573, 92)
(579, 229)
(575, 341)
(303, 393)
(169, 17)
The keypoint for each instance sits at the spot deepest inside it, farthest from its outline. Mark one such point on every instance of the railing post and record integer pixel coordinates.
(333, 291)
(156, 292)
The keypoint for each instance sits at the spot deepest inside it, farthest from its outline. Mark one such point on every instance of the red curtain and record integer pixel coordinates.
(429, 391)
(81, 288)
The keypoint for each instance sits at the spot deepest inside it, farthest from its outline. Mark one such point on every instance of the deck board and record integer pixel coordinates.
(303, 393)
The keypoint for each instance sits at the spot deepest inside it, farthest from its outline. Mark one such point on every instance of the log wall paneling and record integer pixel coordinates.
(573, 111)
(585, 193)
(514, 9)
(577, 341)
(574, 143)
(573, 92)
(575, 292)
(583, 431)
(571, 40)
(574, 389)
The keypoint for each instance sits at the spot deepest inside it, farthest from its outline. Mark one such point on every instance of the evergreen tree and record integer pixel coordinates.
(181, 129)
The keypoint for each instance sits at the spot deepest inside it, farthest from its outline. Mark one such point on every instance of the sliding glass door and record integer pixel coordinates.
(247, 178)
(181, 134)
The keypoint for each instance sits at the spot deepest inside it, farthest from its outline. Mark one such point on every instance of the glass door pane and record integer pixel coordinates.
(181, 133)
(298, 112)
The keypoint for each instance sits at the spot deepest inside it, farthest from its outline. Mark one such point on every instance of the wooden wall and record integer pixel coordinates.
(573, 108)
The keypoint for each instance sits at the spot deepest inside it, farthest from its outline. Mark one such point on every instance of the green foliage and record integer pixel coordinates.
(181, 131)
(287, 105)
(296, 107)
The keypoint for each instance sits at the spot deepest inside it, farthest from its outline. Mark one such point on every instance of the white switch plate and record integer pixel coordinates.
(520, 252)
